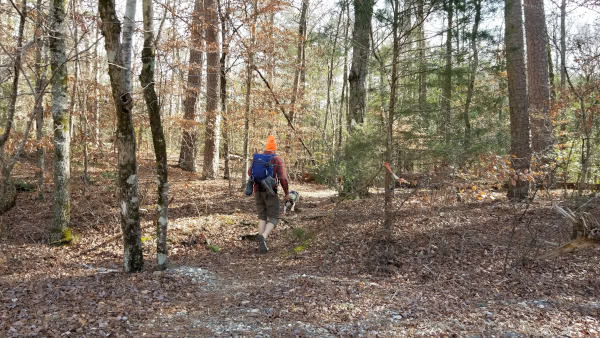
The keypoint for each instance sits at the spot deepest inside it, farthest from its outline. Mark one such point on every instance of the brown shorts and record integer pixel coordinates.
(267, 206)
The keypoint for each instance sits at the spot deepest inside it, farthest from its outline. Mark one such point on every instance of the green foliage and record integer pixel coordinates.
(112, 175)
(303, 237)
(353, 170)
(21, 185)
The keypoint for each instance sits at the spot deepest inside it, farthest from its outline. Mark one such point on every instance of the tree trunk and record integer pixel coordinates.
(537, 78)
(472, 73)
(249, 67)
(422, 78)
(40, 84)
(447, 78)
(213, 116)
(158, 137)
(389, 180)
(363, 11)
(95, 105)
(127, 36)
(551, 76)
(330, 76)
(60, 116)
(128, 180)
(297, 70)
(343, 98)
(187, 155)
(245, 151)
(563, 43)
(223, 90)
(8, 192)
(224, 113)
(518, 102)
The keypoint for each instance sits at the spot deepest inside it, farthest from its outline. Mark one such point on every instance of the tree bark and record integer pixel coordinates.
(421, 45)
(40, 84)
(60, 116)
(223, 90)
(330, 75)
(518, 101)
(447, 78)
(158, 137)
(563, 43)
(297, 70)
(245, 151)
(128, 180)
(472, 73)
(187, 155)
(127, 37)
(389, 180)
(213, 116)
(363, 12)
(249, 67)
(538, 88)
(95, 104)
(8, 192)
(343, 98)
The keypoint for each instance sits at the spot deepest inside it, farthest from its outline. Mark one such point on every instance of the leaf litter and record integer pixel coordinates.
(466, 268)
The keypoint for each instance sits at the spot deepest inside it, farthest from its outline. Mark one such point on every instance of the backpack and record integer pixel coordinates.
(262, 167)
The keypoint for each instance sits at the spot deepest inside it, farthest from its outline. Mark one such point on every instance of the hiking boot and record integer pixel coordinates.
(262, 245)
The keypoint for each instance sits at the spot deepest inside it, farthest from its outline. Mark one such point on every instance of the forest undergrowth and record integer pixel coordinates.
(454, 265)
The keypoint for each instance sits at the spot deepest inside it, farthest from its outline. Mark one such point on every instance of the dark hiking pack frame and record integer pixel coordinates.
(263, 173)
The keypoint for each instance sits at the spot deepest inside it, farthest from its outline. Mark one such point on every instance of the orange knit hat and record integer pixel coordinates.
(271, 145)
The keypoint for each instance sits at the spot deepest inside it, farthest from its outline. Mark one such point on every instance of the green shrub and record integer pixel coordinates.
(354, 170)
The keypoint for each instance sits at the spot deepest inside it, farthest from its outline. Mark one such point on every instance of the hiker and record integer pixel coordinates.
(266, 172)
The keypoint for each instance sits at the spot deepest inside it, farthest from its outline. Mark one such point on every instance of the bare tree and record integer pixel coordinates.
(330, 72)
(446, 120)
(187, 155)
(473, 64)
(421, 45)
(128, 180)
(297, 68)
(363, 12)
(537, 78)
(247, 97)
(563, 43)
(40, 71)
(389, 180)
(127, 36)
(517, 98)
(158, 137)
(213, 117)
(60, 116)
(224, 18)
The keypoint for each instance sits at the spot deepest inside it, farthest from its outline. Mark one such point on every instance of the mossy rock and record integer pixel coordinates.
(8, 196)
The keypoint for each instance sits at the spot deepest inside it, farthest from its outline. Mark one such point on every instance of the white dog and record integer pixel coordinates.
(291, 202)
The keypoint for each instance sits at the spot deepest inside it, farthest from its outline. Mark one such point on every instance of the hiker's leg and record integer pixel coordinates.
(261, 208)
(268, 228)
(261, 226)
(272, 214)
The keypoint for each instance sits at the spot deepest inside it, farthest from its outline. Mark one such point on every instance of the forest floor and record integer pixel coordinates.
(468, 267)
